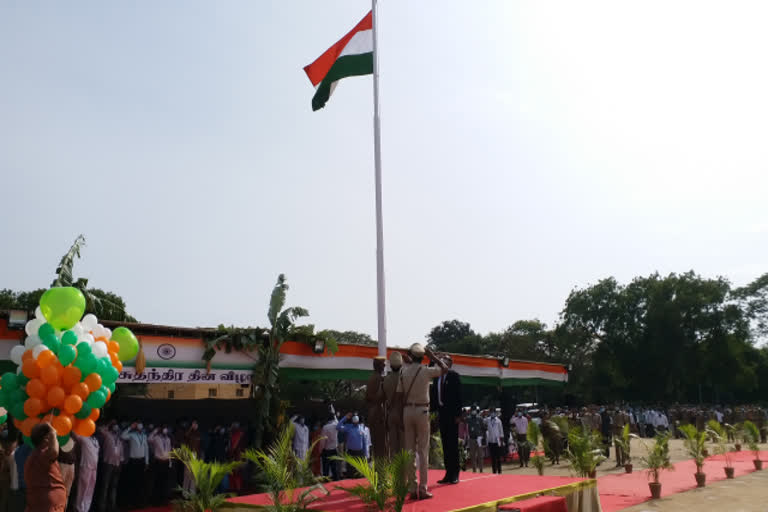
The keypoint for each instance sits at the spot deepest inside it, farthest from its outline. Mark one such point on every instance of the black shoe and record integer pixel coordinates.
(453, 482)
(443, 481)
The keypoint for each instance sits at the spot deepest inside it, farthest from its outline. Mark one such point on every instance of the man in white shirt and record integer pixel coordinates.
(520, 424)
(160, 443)
(300, 437)
(495, 436)
(86, 471)
(329, 447)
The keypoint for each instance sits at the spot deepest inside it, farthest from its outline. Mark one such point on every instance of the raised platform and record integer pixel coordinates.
(476, 492)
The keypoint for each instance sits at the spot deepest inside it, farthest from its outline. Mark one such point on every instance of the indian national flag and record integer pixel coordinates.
(352, 55)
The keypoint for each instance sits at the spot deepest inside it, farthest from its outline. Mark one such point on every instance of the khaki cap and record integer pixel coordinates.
(417, 349)
(395, 359)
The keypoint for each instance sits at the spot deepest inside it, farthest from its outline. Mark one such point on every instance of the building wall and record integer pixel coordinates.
(198, 391)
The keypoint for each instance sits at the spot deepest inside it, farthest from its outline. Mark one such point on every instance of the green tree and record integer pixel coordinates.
(350, 337)
(455, 336)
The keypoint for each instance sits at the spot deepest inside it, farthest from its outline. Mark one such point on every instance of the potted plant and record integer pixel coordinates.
(584, 451)
(534, 440)
(737, 434)
(752, 437)
(624, 443)
(718, 434)
(695, 442)
(207, 477)
(656, 461)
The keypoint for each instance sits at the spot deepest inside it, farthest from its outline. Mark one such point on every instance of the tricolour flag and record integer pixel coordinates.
(352, 55)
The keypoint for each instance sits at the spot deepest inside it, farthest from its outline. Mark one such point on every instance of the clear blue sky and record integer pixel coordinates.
(528, 147)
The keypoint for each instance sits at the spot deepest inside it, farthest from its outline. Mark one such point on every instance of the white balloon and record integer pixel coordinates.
(38, 350)
(98, 331)
(78, 329)
(89, 321)
(39, 313)
(3, 412)
(33, 326)
(99, 349)
(108, 334)
(16, 353)
(88, 338)
(18, 370)
(32, 341)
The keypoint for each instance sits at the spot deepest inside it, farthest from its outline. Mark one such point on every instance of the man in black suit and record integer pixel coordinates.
(446, 400)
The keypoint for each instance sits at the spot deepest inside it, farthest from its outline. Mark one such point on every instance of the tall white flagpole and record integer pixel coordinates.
(380, 293)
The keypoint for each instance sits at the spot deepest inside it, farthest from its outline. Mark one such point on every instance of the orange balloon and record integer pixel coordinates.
(30, 369)
(80, 389)
(49, 375)
(73, 404)
(62, 424)
(28, 424)
(95, 413)
(118, 365)
(101, 338)
(93, 381)
(33, 406)
(27, 355)
(71, 376)
(17, 423)
(36, 388)
(113, 346)
(45, 358)
(85, 427)
(55, 396)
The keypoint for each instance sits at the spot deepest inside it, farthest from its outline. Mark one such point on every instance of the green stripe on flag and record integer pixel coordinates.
(348, 65)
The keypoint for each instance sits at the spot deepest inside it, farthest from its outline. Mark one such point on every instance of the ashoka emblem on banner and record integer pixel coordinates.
(166, 351)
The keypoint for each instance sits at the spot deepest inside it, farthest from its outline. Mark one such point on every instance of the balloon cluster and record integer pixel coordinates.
(67, 367)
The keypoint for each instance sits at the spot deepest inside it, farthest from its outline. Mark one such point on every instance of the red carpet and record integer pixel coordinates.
(620, 491)
(474, 489)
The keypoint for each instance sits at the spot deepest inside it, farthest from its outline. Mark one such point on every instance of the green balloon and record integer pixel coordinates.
(22, 380)
(67, 354)
(4, 399)
(63, 439)
(111, 388)
(17, 396)
(3, 418)
(102, 368)
(129, 345)
(17, 410)
(53, 343)
(46, 331)
(62, 307)
(85, 410)
(96, 399)
(86, 363)
(9, 381)
(69, 338)
(28, 441)
(83, 348)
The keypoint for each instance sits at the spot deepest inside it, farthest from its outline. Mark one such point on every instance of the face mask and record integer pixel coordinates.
(140, 426)
(165, 431)
(115, 429)
(519, 414)
(474, 413)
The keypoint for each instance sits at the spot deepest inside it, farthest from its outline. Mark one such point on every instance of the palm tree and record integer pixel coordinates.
(207, 477)
(282, 472)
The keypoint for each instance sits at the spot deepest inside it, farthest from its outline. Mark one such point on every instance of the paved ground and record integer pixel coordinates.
(748, 493)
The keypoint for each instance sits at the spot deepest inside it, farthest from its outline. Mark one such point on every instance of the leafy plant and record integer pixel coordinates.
(282, 472)
(534, 437)
(387, 486)
(624, 440)
(584, 451)
(695, 443)
(207, 477)
(657, 458)
(718, 434)
(752, 437)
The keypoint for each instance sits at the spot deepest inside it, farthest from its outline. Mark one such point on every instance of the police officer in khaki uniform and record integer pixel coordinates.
(394, 405)
(414, 383)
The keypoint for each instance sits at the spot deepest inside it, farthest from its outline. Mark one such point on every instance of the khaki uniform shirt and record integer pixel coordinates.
(419, 389)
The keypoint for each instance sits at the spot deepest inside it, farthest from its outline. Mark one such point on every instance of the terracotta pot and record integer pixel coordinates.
(737, 447)
(628, 468)
(655, 488)
(758, 464)
(593, 473)
(728, 472)
(701, 479)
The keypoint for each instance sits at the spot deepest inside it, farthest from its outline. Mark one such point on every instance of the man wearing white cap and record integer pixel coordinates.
(414, 384)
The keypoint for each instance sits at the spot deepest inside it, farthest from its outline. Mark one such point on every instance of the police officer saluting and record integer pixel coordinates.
(414, 384)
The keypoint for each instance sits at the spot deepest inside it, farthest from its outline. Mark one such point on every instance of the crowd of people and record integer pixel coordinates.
(122, 466)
